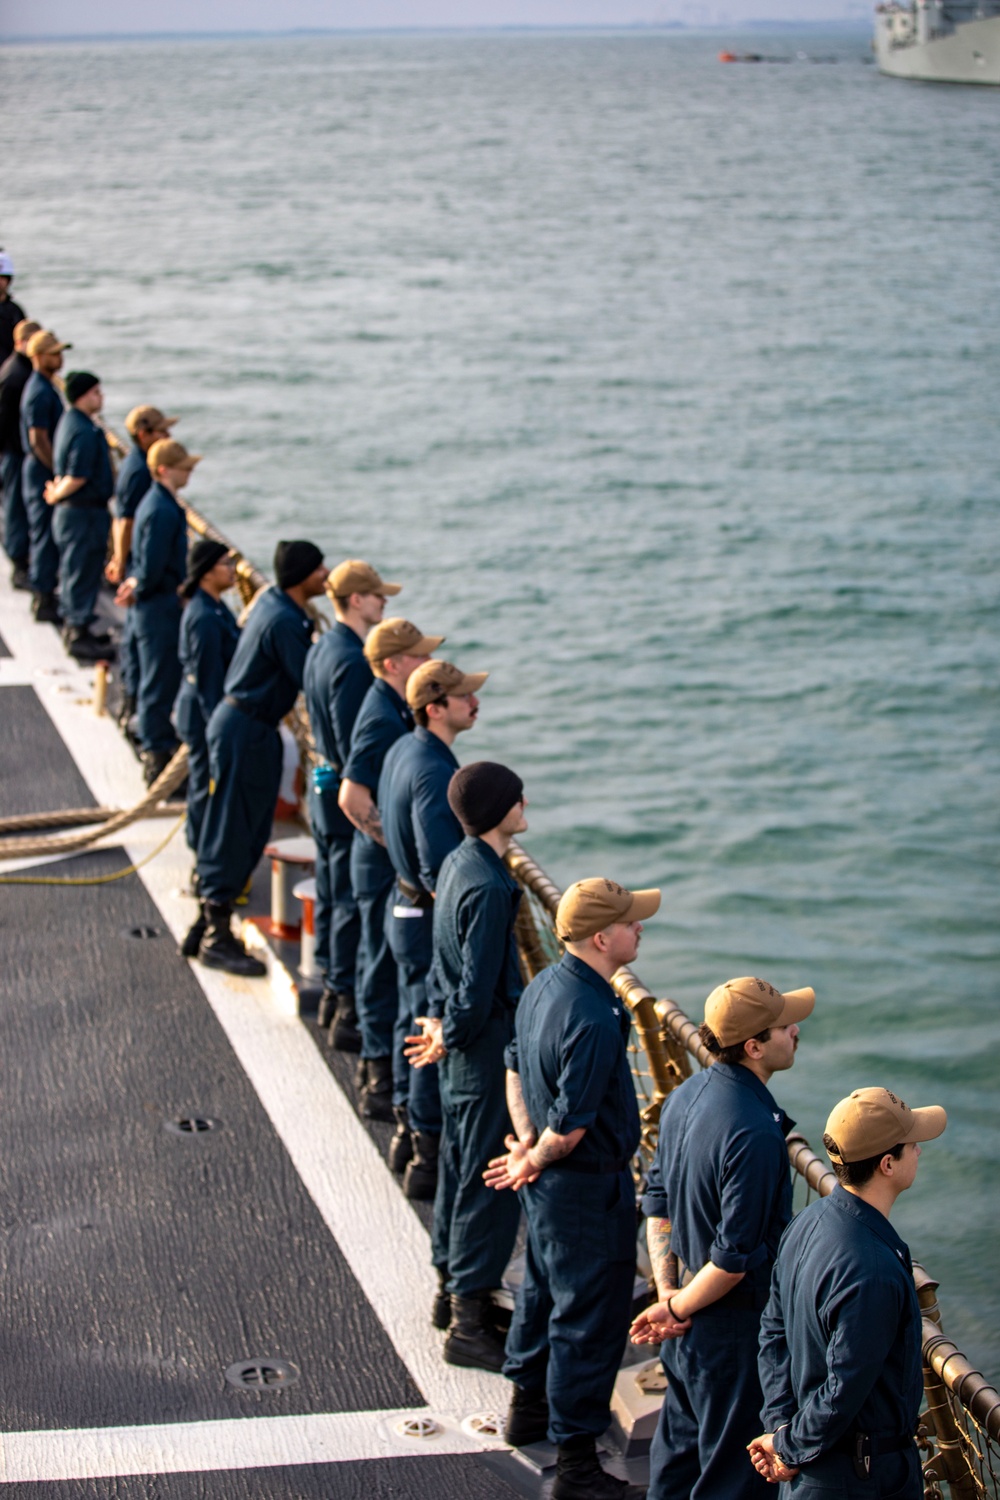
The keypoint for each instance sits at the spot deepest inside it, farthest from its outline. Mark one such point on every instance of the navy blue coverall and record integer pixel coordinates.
(159, 566)
(337, 678)
(134, 479)
(721, 1176)
(14, 374)
(477, 978)
(41, 406)
(208, 638)
(81, 524)
(244, 746)
(420, 829)
(382, 719)
(572, 1313)
(840, 1355)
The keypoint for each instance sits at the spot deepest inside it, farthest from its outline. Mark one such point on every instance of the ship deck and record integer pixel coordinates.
(142, 1260)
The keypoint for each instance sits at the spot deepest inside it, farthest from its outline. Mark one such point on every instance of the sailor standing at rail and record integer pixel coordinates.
(840, 1338)
(718, 1197)
(10, 313)
(337, 678)
(14, 372)
(146, 425)
(159, 566)
(41, 408)
(244, 747)
(420, 829)
(476, 986)
(209, 634)
(79, 494)
(393, 650)
(573, 1106)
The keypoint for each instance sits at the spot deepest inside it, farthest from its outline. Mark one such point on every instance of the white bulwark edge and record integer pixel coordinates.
(381, 1238)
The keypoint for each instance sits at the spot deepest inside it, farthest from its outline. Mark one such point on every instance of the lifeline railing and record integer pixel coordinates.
(959, 1436)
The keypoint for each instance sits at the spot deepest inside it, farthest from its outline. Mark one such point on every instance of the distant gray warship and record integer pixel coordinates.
(942, 41)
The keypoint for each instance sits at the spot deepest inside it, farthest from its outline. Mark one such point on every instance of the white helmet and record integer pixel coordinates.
(6, 264)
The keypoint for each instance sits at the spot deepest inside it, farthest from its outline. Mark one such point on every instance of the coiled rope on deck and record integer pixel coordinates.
(69, 843)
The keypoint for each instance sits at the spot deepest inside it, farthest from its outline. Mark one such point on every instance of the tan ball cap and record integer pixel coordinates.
(357, 577)
(149, 418)
(166, 453)
(399, 638)
(45, 342)
(872, 1121)
(742, 1008)
(591, 905)
(440, 679)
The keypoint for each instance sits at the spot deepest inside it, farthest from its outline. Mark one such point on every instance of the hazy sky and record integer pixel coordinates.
(69, 17)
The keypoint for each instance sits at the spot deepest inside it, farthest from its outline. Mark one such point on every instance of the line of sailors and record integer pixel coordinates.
(493, 1092)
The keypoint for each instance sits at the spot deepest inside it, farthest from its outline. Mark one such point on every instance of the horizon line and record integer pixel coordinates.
(42, 38)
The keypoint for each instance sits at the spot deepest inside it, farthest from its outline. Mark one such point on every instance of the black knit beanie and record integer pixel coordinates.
(294, 561)
(481, 795)
(202, 558)
(78, 383)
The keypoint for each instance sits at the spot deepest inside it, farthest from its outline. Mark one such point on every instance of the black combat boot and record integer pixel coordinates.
(46, 610)
(19, 575)
(527, 1419)
(401, 1146)
(81, 645)
(154, 763)
(344, 1033)
(441, 1306)
(375, 1098)
(579, 1475)
(473, 1341)
(192, 938)
(220, 949)
(126, 711)
(325, 1008)
(421, 1175)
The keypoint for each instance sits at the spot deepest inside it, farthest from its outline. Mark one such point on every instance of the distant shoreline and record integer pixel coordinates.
(847, 25)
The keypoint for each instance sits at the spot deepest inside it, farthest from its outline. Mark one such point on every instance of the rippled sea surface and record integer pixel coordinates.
(669, 390)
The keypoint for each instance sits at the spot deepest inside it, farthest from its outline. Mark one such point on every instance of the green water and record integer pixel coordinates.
(668, 389)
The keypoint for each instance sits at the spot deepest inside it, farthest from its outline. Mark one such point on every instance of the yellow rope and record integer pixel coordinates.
(93, 879)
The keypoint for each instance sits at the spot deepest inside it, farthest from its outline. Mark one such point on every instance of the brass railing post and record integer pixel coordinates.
(949, 1462)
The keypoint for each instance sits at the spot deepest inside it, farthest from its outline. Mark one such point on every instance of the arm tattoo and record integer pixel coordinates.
(518, 1110)
(658, 1244)
(551, 1147)
(371, 822)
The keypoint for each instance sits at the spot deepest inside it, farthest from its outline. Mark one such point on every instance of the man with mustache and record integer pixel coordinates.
(718, 1199)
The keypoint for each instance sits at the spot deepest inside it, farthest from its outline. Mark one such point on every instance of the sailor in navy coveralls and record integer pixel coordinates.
(41, 408)
(572, 1102)
(244, 746)
(146, 425)
(394, 649)
(420, 829)
(79, 495)
(473, 991)
(159, 567)
(718, 1198)
(840, 1339)
(209, 634)
(337, 678)
(14, 374)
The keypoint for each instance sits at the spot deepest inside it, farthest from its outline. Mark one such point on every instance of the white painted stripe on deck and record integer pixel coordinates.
(378, 1233)
(203, 1447)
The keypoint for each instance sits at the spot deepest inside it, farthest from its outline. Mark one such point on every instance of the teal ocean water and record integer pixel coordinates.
(669, 391)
